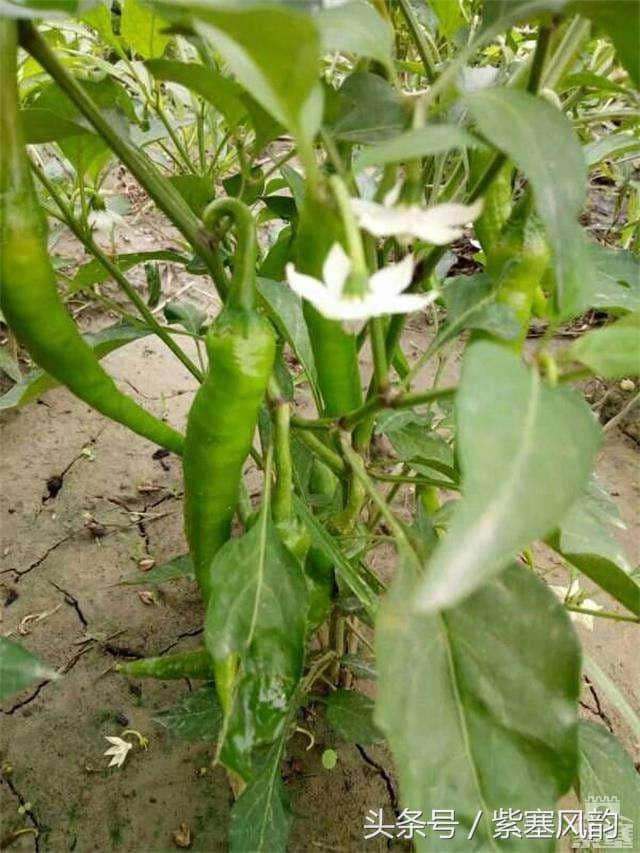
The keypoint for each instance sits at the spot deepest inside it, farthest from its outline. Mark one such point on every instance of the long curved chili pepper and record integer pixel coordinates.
(241, 346)
(28, 296)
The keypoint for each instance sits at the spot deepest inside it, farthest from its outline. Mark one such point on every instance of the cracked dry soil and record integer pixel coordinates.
(82, 501)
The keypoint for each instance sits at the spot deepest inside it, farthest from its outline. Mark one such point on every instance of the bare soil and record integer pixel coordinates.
(82, 501)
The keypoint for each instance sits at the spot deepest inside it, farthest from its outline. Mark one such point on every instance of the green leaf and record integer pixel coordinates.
(142, 29)
(37, 381)
(369, 110)
(590, 80)
(350, 714)
(94, 272)
(525, 452)
(606, 770)
(613, 351)
(612, 692)
(274, 53)
(257, 610)
(585, 539)
(616, 280)
(197, 716)
(450, 17)
(44, 125)
(196, 190)
(260, 817)
(185, 313)
(19, 668)
(540, 141)
(614, 145)
(285, 309)
(359, 586)
(479, 703)
(356, 27)
(471, 304)
(622, 23)
(416, 143)
(414, 441)
(22, 9)
(221, 92)
(174, 569)
(501, 14)
(9, 365)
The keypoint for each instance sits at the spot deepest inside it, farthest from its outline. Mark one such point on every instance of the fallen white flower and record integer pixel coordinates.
(436, 225)
(119, 750)
(571, 595)
(382, 292)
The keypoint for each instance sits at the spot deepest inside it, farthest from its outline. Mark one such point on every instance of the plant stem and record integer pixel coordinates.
(419, 39)
(282, 503)
(542, 47)
(324, 453)
(402, 401)
(160, 190)
(116, 273)
(602, 614)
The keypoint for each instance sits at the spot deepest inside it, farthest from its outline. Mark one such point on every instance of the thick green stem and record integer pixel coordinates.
(324, 453)
(542, 47)
(116, 273)
(160, 190)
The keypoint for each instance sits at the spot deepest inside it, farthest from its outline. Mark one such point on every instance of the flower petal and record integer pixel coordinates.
(444, 222)
(392, 279)
(379, 220)
(335, 269)
(306, 286)
(407, 303)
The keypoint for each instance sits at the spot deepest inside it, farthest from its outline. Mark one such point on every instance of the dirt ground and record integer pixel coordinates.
(64, 553)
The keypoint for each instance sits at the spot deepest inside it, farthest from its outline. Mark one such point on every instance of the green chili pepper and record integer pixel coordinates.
(241, 346)
(518, 262)
(28, 296)
(193, 664)
(334, 350)
(496, 206)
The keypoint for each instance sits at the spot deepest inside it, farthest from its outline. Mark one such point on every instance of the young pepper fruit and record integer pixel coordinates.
(241, 346)
(28, 296)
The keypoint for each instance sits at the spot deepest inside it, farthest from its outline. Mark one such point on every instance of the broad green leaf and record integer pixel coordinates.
(414, 441)
(347, 571)
(99, 17)
(42, 8)
(606, 770)
(540, 141)
(417, 143)
(356, 27)
(274, 54)
(613, 351)
(257, 611)
(369, 110)
(479, 704)
(260, 817)
(197, 716)
(37, 381)
(196, 190)
(586, 540)
(19, 668)
(221, 92)
(285, 309)
(95, 272)
(613, 145)
(616, 279)
(589, 80)
(44, 125)
(142, 29)
(471, 304)
(350, 714)
(525, 452)
(449, 14)
(174, 569)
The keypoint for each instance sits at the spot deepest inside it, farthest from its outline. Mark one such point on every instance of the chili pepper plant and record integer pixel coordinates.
(332, 170)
